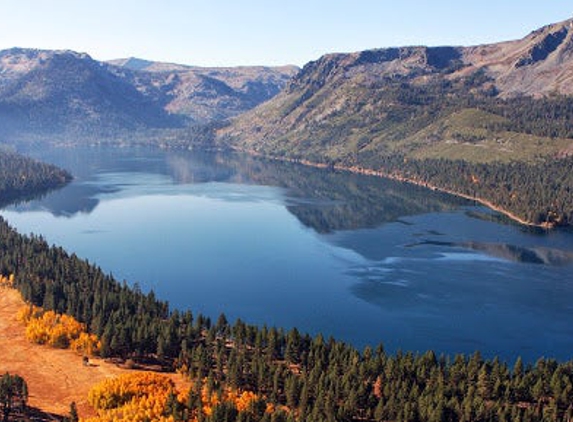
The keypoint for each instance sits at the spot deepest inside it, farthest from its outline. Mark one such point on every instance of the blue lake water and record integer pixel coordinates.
(362, 259)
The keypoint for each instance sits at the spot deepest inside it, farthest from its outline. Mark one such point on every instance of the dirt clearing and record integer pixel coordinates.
(55, 377)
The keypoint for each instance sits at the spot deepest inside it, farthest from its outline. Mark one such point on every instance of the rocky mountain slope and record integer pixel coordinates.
(204, 94)
(70, 95)
(47, 92)
(491, 122)
(483, 103)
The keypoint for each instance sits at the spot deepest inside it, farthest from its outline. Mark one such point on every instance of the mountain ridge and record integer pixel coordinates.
(46, 91)
(65, 94)
(380, 96)
(493, 122)
(486, 122)
(137, 63)
(204, 94)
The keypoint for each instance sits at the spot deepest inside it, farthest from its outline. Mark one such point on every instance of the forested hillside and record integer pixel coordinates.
(539, 193)
(304, 378)
(438, 109)
(22, 177)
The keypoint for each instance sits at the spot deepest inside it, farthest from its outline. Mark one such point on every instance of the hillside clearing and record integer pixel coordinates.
(55, 377)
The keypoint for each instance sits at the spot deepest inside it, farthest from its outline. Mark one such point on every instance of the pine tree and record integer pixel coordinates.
(73, 413)
(13, 392)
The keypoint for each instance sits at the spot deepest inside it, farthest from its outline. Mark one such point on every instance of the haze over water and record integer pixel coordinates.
(362, 259)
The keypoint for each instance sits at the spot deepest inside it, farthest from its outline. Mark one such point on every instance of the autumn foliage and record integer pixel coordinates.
(148, 396)
(56, 330)
(134, 397)
(242, 401)
(7, 281)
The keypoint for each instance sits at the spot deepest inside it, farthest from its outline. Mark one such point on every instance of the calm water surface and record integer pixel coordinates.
(362, 259)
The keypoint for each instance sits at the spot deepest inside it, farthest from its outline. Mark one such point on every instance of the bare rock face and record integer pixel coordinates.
(539, 64)
(542, 49)
(203, 94)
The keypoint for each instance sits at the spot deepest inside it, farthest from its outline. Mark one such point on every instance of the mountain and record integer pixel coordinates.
(483, 103)
(49, 92)
(489, 122)
(204, 94)
(68, 94)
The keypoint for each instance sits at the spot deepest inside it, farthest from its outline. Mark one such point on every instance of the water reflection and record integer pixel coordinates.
(535, 255)
(328, 202)
(325, 201)
(360, 258)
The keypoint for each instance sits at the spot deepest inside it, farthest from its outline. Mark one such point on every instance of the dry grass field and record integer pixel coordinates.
(55, 377)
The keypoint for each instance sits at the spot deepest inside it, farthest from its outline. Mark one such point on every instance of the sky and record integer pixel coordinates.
(263, 32)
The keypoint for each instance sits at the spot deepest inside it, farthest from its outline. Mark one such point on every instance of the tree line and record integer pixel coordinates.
(316, 379)
(22, 177)
(305, 378)
(540, 192)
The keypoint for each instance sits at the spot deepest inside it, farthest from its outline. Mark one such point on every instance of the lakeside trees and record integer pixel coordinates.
(539, 192)
(304, 378)
(286, 376)
(22, 177)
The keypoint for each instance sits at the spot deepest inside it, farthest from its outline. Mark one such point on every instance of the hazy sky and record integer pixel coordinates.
(272, 32)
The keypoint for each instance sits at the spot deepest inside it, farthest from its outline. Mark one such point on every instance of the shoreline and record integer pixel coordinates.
(400, 178)
(390, 176)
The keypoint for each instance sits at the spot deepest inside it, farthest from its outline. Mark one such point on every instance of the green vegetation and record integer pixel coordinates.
(401, 115)
(314, 378)
(540, 193)
(305, 378)
(22, 177)
(427, 127)
(453, 133)
(13, 396)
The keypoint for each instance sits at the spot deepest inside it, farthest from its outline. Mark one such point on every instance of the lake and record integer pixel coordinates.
(362, 259)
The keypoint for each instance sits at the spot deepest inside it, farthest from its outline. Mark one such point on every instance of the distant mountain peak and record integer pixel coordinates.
(138, 65)
(132, 63)
(62, 92)
(34, 53)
